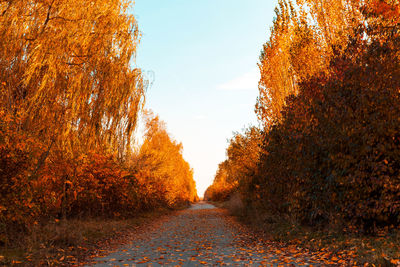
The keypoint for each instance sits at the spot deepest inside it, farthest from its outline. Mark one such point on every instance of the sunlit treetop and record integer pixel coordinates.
(71, 62)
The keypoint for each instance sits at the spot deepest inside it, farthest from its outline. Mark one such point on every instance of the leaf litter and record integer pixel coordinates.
(205, 235)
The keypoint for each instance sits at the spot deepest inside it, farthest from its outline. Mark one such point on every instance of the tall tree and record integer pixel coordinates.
(162, 166)
(66, 70)
(304, 38)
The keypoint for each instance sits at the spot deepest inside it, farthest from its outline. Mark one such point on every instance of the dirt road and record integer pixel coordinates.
(200, 235)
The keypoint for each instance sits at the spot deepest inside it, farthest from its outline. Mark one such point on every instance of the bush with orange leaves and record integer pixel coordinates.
(89, 185)
(237, 171)
(69, 105)
(18, 154)
(331, 156)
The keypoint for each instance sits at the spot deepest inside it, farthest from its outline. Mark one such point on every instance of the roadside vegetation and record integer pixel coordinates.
(74, 242)
(70, 100)
(322, 169)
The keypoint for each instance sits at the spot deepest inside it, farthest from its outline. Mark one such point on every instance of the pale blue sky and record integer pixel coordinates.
(204, 56)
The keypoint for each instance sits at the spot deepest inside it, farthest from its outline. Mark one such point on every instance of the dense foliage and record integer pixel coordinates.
(237, 171)
(69, 104)
(330, 146)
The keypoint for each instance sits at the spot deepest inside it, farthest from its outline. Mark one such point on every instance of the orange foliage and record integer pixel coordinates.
(329, 103)
(303, 40)
(160, 162)
(69, 103)
(389, 11)
(236, 172)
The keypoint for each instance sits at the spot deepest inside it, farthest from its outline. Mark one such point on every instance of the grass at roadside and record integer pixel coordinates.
(382, 249)
(69, 242)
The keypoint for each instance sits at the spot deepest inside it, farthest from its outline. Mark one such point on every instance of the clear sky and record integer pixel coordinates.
(204, 56)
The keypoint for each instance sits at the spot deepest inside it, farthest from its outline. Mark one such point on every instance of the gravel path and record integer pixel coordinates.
(200, 235)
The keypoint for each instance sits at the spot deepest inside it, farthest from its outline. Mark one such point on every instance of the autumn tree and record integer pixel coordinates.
(328, 150)
(69, 102)
(277, 77)
(68, 94)
(236, 172)
(161, 166)
(329, 146)
(304, 37)
(66, 71)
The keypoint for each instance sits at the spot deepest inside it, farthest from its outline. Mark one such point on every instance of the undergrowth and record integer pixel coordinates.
(380, 249)
(70, 242)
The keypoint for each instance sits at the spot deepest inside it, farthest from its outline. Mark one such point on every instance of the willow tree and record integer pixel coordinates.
(65, 70)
